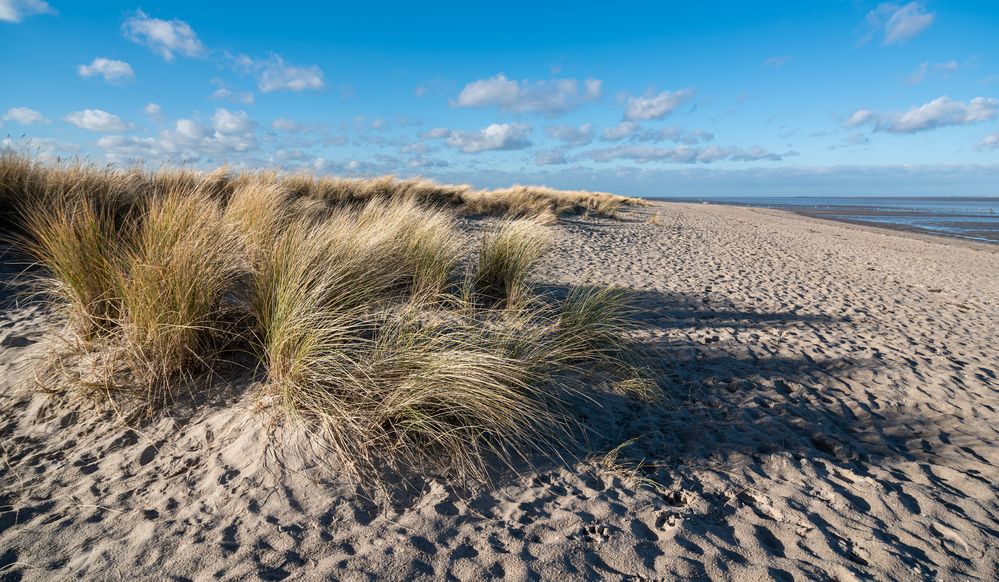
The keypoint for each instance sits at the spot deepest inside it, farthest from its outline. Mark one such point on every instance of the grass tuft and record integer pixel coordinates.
(508, 254)
(179, 286)
(79, 247)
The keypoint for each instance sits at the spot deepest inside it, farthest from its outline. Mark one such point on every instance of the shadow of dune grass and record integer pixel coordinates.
(752, 392)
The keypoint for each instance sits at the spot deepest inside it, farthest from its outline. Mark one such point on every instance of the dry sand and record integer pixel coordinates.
(831, 414)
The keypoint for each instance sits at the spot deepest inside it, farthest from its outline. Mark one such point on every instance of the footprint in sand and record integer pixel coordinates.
(668, 520)
(596, 533)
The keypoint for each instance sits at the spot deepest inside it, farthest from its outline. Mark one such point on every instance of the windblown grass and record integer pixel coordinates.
(79, 246)
(180, 286)
(360, 300)
(507, 255)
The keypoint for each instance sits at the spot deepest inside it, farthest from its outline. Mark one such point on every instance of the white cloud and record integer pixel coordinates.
(571, 135)
(945, 70)
(498, 136)
(226, 122)
(898, 23)
(231, 133)
(152, 109)
(113, 71)
(681, 154)
(24, 116)
(619, 131)
(17, 10)
(941, 112)
(989, 142)
(778, 61)
(547, 97)
(164, 37)
(273, 74)
(860, 117)
(655, 106)
(97, 120)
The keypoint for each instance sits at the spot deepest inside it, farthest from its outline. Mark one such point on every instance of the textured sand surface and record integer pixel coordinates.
(831, 414)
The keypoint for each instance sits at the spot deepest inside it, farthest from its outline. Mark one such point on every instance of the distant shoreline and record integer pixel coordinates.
(984, 231)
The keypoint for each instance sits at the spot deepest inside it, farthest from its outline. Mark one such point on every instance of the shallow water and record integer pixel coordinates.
(960, 217)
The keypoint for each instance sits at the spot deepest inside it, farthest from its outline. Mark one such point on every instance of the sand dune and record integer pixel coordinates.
(831, 414)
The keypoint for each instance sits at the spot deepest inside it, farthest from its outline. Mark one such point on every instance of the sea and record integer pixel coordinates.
(969, 218)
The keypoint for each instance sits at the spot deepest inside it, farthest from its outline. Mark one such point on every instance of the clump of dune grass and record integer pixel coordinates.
(508, 254)
(79, 246)
(393, 343)
(179, 287)
(545, 203)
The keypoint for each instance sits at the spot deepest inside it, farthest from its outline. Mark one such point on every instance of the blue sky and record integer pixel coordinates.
(655, 99)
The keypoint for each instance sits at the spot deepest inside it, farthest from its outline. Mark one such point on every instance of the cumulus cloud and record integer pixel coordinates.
(897, 22)
(189, 140)
(570, 135)
(24, 116)
(97, 120)
(497, 136)
(111, 70)
(227, 122)
(152, 109)
(164, 37)
(655, 106)
(941, 112)
(547, 97)
(945, 70)
(681, 154)
(989, 142)
(274, 74)
(18, 10)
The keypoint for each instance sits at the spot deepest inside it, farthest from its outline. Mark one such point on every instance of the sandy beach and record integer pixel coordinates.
(832, 412)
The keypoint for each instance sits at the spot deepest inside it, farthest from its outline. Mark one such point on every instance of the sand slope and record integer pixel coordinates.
(832, 413)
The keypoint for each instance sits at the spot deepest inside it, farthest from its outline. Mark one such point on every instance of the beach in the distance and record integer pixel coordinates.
(966, 218)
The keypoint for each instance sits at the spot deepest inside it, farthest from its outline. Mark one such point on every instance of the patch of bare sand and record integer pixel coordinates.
(832, 414)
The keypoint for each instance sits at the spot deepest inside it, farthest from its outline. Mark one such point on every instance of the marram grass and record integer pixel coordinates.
(360, 303)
